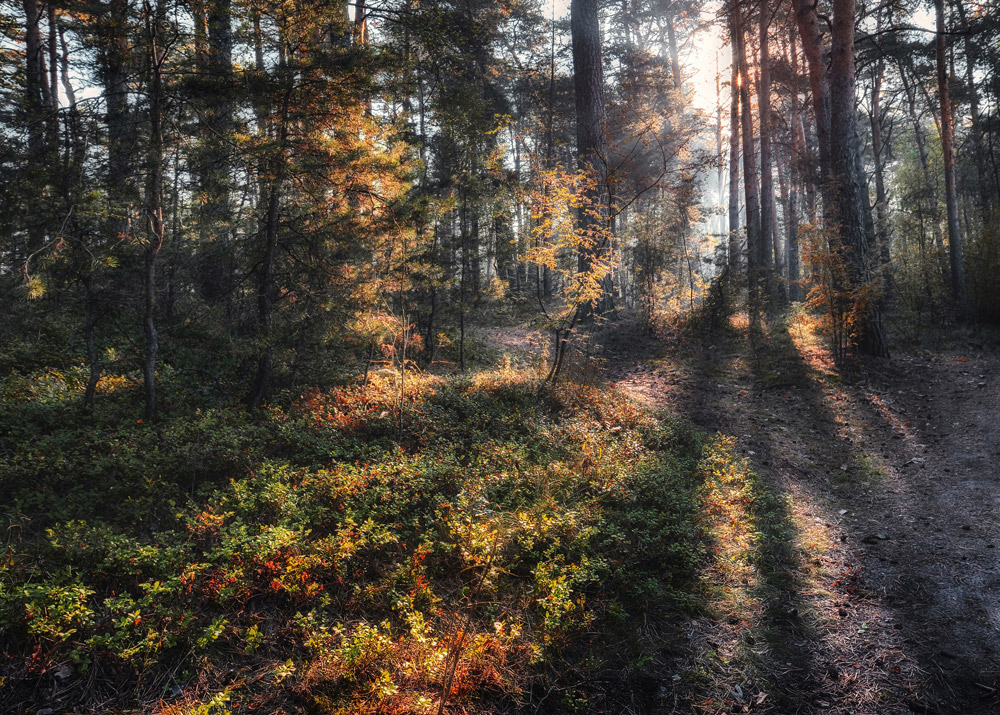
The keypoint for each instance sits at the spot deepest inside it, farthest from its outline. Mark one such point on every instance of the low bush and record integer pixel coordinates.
(349, 552)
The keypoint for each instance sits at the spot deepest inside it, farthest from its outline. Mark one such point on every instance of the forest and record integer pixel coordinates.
(467, 356)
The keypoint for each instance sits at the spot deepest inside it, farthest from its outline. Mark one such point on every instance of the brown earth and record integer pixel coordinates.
(891, 601)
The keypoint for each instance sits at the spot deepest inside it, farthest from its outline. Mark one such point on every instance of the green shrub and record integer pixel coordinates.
(513, 513)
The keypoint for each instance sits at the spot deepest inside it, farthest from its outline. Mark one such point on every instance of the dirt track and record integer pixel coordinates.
(892, 476)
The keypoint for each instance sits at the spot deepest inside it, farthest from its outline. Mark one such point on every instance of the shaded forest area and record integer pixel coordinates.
(426, 356)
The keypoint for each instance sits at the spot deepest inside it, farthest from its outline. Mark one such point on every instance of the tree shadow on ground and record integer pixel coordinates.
(802, 629)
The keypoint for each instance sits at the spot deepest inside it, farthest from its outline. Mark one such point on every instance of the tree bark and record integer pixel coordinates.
(955, 252)
(780, 245)
(983, 185)
(53, 59)
(929, 194)
(720, 167)
(113, 57)
(35, 83)
(812, 47)
(154, 201)
(792, 237)
(765, 247)
(800, 171)
(215, 109)
(360, 23)
(734, 156)
(879, 156)
(588, 86)
(266, 288)
(675, 60)
(851, 202)
(751, 188)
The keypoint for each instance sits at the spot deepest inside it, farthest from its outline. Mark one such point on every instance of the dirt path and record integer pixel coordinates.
(892, 479)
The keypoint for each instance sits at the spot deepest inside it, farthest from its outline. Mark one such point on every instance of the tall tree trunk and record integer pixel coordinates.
(361, 41)
(53, 59)
(989, 128)
(79, 147)
(588, 86)
(35, 84)
(792, 234)
(781, 246)
(751, 188)
(675, 59)
(199, 14)
(113, 58)
(852, 188)
(809, 178)
(475, 251)
(112, 30)
(220, 67)
(430, 341)
(983, 185)
(767, 223)
(154, 201)
(958, 289)
(920, 138)
(800, 172)
(812, 47)
(215, 108)
(720, 169)
(879, 155)
(265, 298)
(360, 23)
(463, 281)
(266, 288)
(734, 156)
(174, 247)
(64, 64)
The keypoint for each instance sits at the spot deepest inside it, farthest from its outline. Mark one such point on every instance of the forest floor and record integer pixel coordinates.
(774, 535)
(892, 590)
(887, 597)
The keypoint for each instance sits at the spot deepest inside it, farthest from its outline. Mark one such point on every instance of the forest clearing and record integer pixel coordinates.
(414, 357)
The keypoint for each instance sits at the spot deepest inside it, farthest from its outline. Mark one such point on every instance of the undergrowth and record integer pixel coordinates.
(491, 540)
